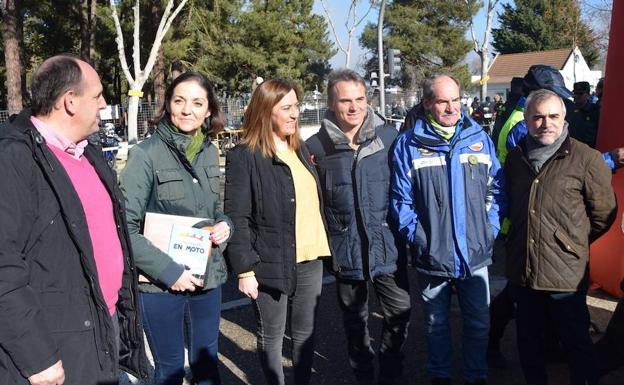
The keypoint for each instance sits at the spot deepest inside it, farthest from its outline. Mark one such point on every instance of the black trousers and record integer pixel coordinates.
(568, 312)
(610, 348)
(502, 311)
(392, 291)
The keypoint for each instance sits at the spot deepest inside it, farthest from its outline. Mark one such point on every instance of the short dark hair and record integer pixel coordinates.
(215, 122)
(427, 85)
(342, 75)
(53, 78)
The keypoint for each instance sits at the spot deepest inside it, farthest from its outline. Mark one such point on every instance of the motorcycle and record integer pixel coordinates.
(109, 142)
(484, 116)
(487, 119)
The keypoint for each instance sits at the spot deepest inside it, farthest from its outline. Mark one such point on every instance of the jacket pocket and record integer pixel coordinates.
(567, 245)
(68, 311)
(340, 241)
(390, 250)
(170, 185)
(213, 175)
(266, 242)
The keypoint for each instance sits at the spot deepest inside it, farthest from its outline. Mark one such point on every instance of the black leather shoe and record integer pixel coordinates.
(477, 382)
(441, 381)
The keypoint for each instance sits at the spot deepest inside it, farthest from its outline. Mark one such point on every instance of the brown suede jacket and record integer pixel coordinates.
(555, 214)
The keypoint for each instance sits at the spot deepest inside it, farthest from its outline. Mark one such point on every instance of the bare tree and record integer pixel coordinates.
(11, 36)
(159, 66)
(484, 50)
(351, 24)
(598, 5)
(137, 81)
(597, 14)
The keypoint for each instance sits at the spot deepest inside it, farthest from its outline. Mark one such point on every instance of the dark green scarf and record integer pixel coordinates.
(196, 141)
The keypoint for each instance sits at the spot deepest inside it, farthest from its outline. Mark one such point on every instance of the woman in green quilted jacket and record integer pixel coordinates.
(176, 172)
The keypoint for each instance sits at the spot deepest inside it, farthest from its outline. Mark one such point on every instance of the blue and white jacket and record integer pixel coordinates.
(448, 197)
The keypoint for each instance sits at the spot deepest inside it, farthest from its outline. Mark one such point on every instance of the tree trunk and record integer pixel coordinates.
(159, 66)
(92, 10)
(133, 112)
(485, 63)
(87, 30)
(136, 82)
(11, 37)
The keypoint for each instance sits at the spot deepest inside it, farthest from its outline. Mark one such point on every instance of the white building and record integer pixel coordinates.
(570, 62)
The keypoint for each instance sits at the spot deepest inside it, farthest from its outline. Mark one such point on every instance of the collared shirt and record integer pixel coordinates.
(57, 140)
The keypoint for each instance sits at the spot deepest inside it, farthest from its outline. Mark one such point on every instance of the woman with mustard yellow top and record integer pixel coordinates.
(272, 196)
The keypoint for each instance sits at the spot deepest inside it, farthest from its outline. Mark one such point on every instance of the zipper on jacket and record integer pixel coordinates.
(359, 218)
(356, 202)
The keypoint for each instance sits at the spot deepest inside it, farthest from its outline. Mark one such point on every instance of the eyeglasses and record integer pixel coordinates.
(579, 93)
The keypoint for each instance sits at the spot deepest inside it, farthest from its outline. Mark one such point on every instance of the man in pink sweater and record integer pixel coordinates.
(67, 278)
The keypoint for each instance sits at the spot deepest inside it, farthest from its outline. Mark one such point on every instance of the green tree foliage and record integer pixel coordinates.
(49, 31)
(430, 35)
(539, 25)
(236, 40)
(233, 41)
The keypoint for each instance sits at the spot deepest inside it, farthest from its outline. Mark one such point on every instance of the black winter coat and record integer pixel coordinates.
(356, 193)
(52, 305)
(260, 201)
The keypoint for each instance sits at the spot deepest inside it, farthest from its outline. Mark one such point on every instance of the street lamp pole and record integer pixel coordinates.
(382, 91)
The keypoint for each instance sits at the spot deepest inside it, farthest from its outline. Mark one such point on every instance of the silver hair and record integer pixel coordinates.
(538, 97)
(427, 85)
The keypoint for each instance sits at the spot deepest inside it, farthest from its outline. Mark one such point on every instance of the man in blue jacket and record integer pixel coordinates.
(447, 194)
(351, 153)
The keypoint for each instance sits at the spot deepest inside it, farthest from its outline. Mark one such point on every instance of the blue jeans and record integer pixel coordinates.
(171, 319)
(272, 308)
(570, 317)
(473, 294)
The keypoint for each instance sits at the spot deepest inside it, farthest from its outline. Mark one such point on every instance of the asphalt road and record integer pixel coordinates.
(240, 364)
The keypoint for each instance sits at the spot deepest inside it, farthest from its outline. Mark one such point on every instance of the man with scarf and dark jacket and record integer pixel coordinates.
(560, 200)
(351, 154)
(68, 286)
(447, 194)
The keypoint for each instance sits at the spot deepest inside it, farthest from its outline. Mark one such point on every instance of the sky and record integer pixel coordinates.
(338, 10)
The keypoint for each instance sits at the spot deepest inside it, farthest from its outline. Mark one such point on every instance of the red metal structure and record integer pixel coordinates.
(607, 254)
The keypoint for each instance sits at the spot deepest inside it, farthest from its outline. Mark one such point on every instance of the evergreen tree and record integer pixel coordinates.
(540, 25)
(430, 35)
(232, 41)
(235, 41)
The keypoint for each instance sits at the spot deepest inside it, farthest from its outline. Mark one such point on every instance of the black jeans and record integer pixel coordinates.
(610, 347)
(568, 312)
(502, 311)
(272, 308)
(393, 294)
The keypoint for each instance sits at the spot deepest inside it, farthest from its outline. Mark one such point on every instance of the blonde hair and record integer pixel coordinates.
(257, 124)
